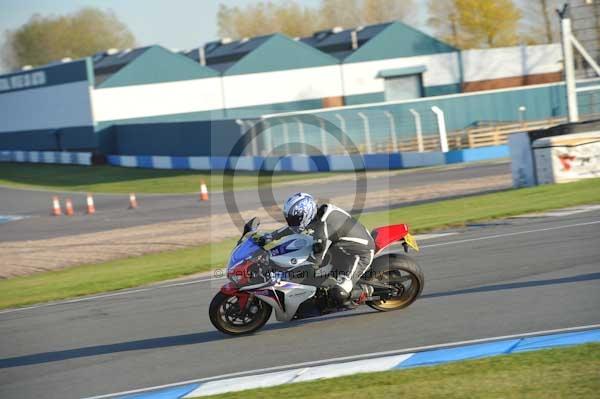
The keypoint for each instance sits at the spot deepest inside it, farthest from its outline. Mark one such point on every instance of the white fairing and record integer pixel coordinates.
(292, 251)
(288, 253)
(294, 295)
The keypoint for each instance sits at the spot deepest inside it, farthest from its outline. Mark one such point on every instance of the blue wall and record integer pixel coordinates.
(467, 109)
(52, 75)
(198, 138)
(461, 111)
(47, 108)
(68, 138)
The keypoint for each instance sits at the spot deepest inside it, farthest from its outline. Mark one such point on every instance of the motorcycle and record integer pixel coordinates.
(274, 277)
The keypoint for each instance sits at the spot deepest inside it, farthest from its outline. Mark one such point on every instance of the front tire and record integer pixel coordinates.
(225, 315)
(402, 272)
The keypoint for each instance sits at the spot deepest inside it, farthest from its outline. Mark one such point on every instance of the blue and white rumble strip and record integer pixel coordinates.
(438, 354)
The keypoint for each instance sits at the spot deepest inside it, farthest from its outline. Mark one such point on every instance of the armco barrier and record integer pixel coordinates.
(65, 158)
(313, 163)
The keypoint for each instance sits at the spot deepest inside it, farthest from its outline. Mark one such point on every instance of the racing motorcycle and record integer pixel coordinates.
(263, 278)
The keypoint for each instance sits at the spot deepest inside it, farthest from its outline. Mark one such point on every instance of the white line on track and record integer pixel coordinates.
(560, 212)
(516, 233)
(434, 235)
(350, 358)
(91, 298)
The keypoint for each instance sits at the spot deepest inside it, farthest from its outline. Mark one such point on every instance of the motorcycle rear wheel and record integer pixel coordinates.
(226, 317)
(400, 271)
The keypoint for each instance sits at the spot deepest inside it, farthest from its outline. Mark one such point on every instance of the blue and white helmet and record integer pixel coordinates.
(299, 210)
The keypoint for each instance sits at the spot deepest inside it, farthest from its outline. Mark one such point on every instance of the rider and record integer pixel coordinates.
(338, 234)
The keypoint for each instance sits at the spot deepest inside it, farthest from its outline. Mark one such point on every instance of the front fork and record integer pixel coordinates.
(244, 298)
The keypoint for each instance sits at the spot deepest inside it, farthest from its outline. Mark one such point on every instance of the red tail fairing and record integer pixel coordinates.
(384, 236)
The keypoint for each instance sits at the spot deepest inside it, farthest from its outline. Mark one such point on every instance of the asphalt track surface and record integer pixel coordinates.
(507, 277)
(112, 212)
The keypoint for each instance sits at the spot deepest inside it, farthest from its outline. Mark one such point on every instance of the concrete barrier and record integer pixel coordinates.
(477, 154)
(290, 163)
(63, 157)
(420, 159)
(314, 163)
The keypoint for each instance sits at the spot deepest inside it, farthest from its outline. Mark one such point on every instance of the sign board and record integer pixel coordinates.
(567, 158)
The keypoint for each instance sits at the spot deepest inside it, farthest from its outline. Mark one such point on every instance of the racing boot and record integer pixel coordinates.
(339, 291)
(344, 295)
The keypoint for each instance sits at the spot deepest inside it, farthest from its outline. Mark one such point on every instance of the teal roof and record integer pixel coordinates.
(338, 43)
(158, 65)
(390, 73)
(279, 53)
(398, 40)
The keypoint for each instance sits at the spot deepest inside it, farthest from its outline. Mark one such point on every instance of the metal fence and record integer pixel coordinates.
(427, 124)
(376, 133)
(580, 37)
(585, 26)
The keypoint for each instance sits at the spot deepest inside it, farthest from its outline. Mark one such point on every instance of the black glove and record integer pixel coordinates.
(264, 239)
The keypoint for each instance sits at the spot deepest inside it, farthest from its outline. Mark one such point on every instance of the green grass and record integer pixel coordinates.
(113, 179)
(553, 373)
(457, 212)
(136, 271)
(112, 275)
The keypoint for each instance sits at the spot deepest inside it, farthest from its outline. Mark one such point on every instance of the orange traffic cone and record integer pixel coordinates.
(203, 191)
(69, 207)
(91, 209)
(132, 201)
(56, 211)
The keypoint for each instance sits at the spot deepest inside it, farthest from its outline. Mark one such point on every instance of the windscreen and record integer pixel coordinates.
(245, 249)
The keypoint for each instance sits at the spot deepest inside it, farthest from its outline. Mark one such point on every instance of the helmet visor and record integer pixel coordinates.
(294, 222)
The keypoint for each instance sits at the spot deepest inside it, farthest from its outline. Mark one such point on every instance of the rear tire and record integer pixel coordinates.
(226, 317)
(397, 270)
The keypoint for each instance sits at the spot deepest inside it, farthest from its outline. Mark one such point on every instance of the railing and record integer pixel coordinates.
(498, 134)
(473, 137)
(382, 132)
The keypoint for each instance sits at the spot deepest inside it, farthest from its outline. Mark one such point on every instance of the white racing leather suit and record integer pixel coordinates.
(338, 234)
(342, 245)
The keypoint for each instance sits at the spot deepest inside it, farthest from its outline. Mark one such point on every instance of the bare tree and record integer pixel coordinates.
(376, 11)
(266, 17)
(443, 17)
(293, 19)
(345, 13)
(540, 22)
(475, 23)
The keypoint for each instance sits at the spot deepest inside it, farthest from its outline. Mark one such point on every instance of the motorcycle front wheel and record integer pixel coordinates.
(226, 315)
